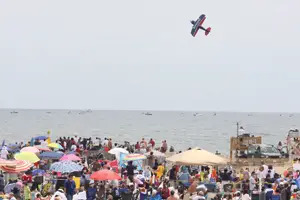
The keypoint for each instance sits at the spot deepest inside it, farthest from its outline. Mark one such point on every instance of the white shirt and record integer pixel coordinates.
(246, 197)
(73, 147)
(105, 143)
(76, 139)
(4, 153)
(60, 194)
(80, 196)
(265, 172)
(140, 177)
(252, 183)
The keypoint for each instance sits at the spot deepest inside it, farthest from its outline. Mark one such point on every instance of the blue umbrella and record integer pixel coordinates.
(37, 172)
(42, 137)
(13, 148)
(66, 167)
(51, 155)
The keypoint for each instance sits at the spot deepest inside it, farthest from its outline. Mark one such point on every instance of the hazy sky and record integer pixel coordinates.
(137, 54)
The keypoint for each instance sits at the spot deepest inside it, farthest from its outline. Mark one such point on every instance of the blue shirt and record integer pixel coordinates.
(70, 187)
(91, 193)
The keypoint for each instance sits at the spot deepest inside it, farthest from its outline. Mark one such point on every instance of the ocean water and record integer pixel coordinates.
(181, 129)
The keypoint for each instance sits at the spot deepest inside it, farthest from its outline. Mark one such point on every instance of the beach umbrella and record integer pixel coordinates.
(42, 148)
(134, 157)
(38, 172)
(4, 162)
(197, 156)
(66, 167)
(117, 152)
(16, 166)
(70, 157)
(13, 148)
(30, 149)
(9, 187)
(105, 175)
(51, 155)
(42, 137)
(55, 146)
(28, 156)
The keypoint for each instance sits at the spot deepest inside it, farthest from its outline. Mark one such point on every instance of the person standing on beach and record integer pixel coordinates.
(152, 143)
(109, 144)
(27, 192)
(164, 146)
(137, 146)
(130, 170)
(173, 176)
(70, 187)
(4, 152)
(252, 182)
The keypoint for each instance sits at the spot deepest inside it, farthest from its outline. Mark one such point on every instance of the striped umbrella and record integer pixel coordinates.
(133, 157)
(17, 166)
(66, 167)
(4, 162)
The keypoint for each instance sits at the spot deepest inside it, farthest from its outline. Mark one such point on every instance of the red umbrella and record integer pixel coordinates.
(105, 175)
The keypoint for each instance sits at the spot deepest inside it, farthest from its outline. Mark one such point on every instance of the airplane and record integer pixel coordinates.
(198, 25)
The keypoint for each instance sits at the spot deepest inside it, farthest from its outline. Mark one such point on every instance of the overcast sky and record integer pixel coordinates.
(137, 54)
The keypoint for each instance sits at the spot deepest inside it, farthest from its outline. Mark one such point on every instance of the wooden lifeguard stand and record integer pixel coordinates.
(242, 142)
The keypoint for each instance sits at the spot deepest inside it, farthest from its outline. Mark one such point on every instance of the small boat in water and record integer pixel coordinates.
(147, 113)
(197, 114)
(14, 112)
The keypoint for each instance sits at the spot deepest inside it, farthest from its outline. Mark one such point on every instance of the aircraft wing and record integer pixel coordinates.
(202, 19)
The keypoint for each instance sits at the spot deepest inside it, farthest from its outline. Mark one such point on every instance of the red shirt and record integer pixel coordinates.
(152, 143)
(137, 146)
(27, 178)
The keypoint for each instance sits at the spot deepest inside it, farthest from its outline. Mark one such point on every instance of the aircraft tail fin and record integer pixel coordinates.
(207, 31)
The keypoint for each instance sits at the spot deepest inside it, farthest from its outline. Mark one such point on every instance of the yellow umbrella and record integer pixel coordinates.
(197, 156)
(27, 156)
(55, 146)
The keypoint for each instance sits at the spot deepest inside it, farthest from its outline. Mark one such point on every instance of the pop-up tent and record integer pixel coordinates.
(197, 156)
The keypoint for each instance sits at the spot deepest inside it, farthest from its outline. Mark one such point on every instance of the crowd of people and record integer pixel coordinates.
(155, 179)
